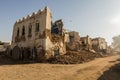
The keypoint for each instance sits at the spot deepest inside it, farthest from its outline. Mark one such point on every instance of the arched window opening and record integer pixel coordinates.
(30, 29)
(37, 27)
(23, 31)
(18, 32)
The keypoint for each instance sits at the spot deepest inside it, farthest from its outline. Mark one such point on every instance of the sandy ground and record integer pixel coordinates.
(87, 71)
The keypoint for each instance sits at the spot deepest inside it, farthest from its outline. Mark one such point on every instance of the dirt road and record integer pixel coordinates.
(87, 71)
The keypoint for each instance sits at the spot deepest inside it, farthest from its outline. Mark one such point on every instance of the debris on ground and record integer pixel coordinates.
(73, 57)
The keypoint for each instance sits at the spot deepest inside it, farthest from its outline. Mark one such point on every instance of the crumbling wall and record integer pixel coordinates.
(55, 46)
(86, 43)
(57, 27)
(99, 44)
(74, 41)
(55, 40)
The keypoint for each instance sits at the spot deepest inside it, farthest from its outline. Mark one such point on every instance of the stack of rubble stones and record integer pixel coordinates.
(76, 51)
(73, 57)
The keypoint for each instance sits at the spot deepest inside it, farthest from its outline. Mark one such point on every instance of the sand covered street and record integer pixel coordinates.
(87, 71)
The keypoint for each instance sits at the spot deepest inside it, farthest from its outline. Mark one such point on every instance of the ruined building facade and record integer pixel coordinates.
(99, 44)
(86, 43)
(73, 41)
(36, 36)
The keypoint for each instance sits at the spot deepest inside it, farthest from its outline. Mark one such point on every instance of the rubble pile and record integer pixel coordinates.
(73, 46)
(73, 57)
(56, 38)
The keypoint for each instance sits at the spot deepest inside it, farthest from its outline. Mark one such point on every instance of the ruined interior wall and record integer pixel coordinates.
(86, 43)
(50, 47)
(103, 44)
(95, 44)
(99, 44)
(66, 38)
(75, 36)
(73, 41)
(52, 41)
(83, 40)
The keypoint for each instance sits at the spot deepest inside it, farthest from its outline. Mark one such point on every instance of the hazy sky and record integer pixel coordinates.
(88, 17)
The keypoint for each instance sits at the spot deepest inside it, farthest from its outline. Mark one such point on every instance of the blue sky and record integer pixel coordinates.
(88, 17)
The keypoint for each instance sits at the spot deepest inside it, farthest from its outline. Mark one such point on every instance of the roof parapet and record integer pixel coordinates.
(23, 18)
(40, 11)
(33, 14)
(20, 20)
(28, 16)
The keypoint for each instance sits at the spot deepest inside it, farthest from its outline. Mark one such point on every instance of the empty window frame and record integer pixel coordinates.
(18, 32)
(37, 27)
(30, 30)
(23, 31)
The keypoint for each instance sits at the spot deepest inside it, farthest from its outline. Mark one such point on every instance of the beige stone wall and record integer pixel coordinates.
(50, 47)
(66, 38)
(74, 36)
(86, 41)
(103, 44)
(43, 18)
(38, 39)
(99, 43)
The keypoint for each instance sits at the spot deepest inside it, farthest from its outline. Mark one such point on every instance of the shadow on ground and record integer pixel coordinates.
(112, 74)
(4, 60)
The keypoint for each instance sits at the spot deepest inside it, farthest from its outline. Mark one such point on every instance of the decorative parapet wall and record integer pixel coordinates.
(33, 15)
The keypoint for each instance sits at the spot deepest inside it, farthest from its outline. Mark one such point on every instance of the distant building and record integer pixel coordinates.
(86, 43)
(74, 41)
(74, 36)
(99, 44)
(4, 46)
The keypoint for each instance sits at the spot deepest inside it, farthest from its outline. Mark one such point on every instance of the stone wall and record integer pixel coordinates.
(34, 31)
(99, 44)
(86, 43)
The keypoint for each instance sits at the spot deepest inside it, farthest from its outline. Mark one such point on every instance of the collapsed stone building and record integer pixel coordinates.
(86, 43)
(99, 44)
(73, 42)
(3, 46)
(36, 36)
